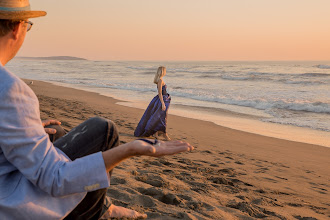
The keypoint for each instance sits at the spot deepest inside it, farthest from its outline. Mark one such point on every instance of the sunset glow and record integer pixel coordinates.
(181, 30)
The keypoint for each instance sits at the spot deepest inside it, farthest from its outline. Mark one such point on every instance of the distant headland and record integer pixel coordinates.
(53, 58)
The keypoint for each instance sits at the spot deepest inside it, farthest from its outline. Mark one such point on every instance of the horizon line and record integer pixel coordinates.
(123, 60)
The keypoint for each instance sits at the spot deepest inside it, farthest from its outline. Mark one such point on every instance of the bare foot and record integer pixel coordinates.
(155, 135)
(167, 138)
(121, 212)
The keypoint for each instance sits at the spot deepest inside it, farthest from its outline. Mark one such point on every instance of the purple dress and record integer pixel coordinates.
(154, 118)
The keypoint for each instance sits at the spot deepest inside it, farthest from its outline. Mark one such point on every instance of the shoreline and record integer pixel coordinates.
(226, 118)
(231, 174)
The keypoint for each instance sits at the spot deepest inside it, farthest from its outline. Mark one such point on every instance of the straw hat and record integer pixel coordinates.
(17, 10)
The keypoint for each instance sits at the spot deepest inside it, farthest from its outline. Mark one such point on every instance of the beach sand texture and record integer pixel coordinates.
(230, 175)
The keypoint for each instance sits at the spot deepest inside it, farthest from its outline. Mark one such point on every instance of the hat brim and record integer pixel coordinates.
(16, 15)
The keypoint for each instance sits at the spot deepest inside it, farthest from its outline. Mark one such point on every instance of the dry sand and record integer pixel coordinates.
(230, 175)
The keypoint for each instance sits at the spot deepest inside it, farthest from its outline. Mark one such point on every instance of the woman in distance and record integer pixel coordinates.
(154, 119)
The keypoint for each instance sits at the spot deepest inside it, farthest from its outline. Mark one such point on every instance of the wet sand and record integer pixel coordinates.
(230, 175)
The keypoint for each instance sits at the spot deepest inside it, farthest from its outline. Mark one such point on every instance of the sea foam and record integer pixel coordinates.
(323, 66)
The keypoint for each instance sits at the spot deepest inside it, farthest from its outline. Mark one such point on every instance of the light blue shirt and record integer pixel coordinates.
(37, 180)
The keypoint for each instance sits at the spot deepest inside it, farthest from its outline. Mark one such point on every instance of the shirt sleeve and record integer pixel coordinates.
(26, 145)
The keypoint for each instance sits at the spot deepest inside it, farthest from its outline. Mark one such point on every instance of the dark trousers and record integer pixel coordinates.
(94, 135)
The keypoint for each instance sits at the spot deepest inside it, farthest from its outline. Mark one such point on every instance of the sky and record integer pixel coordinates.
(181, 30)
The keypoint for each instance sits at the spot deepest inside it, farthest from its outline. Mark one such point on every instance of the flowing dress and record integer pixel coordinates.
(154, 118)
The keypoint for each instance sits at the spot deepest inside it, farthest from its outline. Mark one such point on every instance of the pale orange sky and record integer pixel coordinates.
(181, 29)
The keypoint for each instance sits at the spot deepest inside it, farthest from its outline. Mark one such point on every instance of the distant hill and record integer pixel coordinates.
(52, 58)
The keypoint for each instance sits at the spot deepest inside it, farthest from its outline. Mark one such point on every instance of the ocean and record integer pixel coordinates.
(289, 100)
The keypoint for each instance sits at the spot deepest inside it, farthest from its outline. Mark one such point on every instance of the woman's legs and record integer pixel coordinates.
(167, 138)
(161, 124)
(158, 134)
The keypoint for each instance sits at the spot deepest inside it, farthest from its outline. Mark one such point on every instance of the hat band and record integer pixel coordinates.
(27, 8)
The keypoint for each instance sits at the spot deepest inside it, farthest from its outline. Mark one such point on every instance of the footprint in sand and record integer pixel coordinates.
(270, 180)
(117, 181)
(185, 161)
(252, 209)
(180, 200)
(248, 208)
(199, 187)
(304, 218)
(123, 196)
(294, 204)
(156, 163)
(227, 171)
(214, 165)
(282, 178)
(319, 190)
(168, 172)
(260, 191)
(167, 198)
(237, 181)
(207, 152)
(239, 162)
(261, 169)
(266, 202)
(154, 180)
(221, 180)
(230, 158)
(202, 161)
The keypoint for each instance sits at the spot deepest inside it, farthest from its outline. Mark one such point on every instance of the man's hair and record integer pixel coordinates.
(6, 26)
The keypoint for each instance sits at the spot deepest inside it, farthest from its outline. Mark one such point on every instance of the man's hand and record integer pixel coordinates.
(161, 148)
(115, 155)
(163, 107)
(50, 122)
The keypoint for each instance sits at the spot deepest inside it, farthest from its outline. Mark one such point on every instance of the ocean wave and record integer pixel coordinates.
(201, 71)
(142, 68)
(260, 73)
(178, 87)
(323, 66)
(195, 71)
(208, 76)
(306, 83)
(303, 79)
(176, 75)
(317, 107)
(149, 73)
(299, 123)
(238, 78)
(315, 74)
(250, 76)
(84, 79)
(128, 87)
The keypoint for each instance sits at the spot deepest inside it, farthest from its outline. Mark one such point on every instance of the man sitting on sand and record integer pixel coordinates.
(65, 179)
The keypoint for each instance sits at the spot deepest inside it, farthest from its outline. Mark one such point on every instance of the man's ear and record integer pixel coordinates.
(16, 30)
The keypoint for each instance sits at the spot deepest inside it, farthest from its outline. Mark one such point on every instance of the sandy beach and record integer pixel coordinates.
(230, 175)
